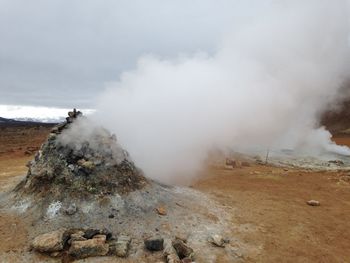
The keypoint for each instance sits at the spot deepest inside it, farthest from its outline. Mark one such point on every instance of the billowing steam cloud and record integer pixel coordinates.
(265, 86)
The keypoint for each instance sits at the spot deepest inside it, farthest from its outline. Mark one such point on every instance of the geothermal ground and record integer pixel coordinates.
(265, 206)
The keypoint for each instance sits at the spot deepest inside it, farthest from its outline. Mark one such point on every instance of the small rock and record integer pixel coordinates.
(182, 250)
(88, 248)
(89, 233)
(161, 210)
(217, 240)
(170, 252)
(71, 209)
(50, 242)
(154, 243)
(337, 162)
(55, 254)
(111, 216)
(100, 237)
(77, 236)
(120, 247)
(313, 203)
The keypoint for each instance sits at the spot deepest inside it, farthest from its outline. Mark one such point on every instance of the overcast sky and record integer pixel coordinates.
(61, 53)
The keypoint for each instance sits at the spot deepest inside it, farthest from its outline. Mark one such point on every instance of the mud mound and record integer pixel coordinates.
(81, 166)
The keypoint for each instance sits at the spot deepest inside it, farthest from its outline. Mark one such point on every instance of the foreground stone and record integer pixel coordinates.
(182, 249)
(170, 253)
(89, 248)
(50, 242)
(154, 244)
(217, 240)
(120, 247)
(313, 203)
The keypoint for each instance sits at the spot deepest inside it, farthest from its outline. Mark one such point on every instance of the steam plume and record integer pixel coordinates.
(264, 87)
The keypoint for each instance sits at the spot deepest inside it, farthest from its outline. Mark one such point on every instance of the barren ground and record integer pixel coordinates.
(269, 205)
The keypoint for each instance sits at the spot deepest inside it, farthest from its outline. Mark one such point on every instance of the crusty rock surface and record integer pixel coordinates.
(89, 248)
(50, 242)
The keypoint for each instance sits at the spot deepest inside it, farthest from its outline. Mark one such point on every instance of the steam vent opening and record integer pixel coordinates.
(81, 166)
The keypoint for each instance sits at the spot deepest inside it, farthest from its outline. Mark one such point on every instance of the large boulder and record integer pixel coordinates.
(50, 242)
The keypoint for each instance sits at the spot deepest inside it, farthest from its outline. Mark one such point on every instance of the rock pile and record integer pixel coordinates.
(71, 244)
(93, 165)
(80, 243)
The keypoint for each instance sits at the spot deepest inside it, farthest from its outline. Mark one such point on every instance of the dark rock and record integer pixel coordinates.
(154, 243)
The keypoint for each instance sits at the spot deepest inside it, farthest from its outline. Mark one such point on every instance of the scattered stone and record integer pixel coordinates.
(217, 240)
(89, 248)
(120, 247)
(313, 203)
(111, 216)
(71, 209)
(182, 249)
(50, 242)
(154, 243)
(336, 162)
(161, 210)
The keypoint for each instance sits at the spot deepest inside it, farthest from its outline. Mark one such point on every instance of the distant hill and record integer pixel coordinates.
(12, 122)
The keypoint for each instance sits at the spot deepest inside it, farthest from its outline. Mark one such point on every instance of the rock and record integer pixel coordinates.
(77, 236)
(313, 203)
(120, 247)
(154, 243)
(89, 248)
(71, 209)
(55, 254)
(186, 260)
(161, 210)
(89, 233)
(50, 242)
(170, 252)
(88, 165)
(182, 249)
(217, 240)
(100, 237)
(336, 162)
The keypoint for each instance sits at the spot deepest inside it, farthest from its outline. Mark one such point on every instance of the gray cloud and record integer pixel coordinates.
(62, 52)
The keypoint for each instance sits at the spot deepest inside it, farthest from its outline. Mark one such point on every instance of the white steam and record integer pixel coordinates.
(264, 87)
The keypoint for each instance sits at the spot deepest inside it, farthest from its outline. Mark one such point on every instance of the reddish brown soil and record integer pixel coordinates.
(269, 206)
